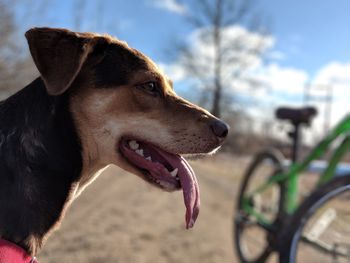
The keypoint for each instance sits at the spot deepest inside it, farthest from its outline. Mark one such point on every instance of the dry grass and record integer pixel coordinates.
(119, 218)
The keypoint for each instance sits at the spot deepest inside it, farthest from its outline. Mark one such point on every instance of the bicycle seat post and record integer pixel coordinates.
(295, 136)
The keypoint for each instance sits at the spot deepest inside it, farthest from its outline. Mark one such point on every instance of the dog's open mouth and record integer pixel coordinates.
(166, 170)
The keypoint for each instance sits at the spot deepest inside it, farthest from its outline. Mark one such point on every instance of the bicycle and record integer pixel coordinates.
(268, 217)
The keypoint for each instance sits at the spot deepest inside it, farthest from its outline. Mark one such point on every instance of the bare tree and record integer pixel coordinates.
(229, 52)
(8, 46)
(16, 66)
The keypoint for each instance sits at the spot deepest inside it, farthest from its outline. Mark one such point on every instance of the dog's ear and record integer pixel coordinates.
(59, 55)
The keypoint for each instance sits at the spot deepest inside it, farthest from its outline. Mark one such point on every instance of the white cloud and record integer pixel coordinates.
(201, 46)
(170, 5)
(335, 78)
(279, 80)
(285, 85)
(174, 71)
(283, 80)
(333, 72)
(292, 82)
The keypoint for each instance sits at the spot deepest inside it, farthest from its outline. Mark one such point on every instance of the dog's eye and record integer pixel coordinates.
(150, 87)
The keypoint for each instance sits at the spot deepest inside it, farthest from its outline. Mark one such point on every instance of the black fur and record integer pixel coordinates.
(39, 160)
(118, 64)
(40, 151)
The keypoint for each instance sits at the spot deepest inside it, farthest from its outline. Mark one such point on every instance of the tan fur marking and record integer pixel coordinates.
(104, 115)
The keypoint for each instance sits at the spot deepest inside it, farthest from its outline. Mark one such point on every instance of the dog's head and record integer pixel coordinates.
(125, 109)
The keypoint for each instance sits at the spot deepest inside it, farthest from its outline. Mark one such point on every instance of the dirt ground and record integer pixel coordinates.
(120, 218)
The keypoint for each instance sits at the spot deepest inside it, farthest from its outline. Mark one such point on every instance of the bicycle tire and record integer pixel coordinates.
(313, 204)
(275, 157)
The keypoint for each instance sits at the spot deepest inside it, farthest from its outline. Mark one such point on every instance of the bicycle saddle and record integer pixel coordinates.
(296, 115)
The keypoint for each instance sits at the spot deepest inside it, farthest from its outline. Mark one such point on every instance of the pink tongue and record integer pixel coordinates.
(189, 184)
(190, 190)
(185, 173)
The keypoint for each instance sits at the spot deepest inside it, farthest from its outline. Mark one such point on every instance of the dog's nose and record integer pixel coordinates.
(219, 128)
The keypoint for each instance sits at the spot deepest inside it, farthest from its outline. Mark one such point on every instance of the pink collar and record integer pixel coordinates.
(11, 253)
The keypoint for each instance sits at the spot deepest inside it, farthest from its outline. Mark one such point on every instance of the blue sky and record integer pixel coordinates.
(311, 39)
(309, 33)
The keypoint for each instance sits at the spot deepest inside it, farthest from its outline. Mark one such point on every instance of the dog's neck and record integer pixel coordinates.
(40, 164)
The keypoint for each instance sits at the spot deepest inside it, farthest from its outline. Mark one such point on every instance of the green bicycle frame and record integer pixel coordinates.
(290, 177)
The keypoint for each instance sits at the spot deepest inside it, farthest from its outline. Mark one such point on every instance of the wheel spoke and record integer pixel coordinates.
(327, 248)
(320, 228)
(253, 232)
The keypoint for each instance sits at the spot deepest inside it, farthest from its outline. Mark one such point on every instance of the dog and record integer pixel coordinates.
(97, 102)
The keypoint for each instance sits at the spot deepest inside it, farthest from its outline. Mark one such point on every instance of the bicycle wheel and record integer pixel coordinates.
(320, 228)
(253, 241)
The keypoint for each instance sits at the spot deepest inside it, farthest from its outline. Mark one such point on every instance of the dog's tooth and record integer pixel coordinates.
(149, 158)
(139, 152)
(133, 145)
(174, 172)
